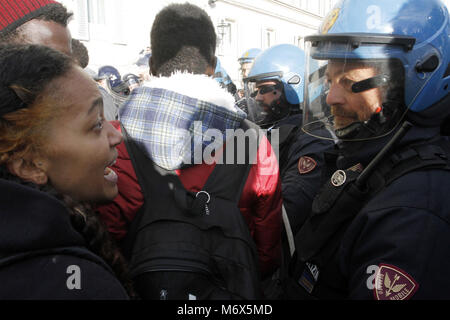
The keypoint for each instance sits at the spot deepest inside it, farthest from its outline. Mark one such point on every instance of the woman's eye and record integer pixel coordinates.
(99, 124)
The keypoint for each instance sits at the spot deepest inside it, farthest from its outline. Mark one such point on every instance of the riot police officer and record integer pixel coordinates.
(274, 93)
(246, 61)
(379, 228)
(132, 81)
(274, 101)
(222, 77)
(113, 89)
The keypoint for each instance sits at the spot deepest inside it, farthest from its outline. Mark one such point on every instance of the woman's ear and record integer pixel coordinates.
(28, 171)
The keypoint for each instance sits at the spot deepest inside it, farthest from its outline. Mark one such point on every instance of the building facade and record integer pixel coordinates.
(115, 31)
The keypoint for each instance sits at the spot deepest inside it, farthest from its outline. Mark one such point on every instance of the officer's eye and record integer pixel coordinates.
(347, 83)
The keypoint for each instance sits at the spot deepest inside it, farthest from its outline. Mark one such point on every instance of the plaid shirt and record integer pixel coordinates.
(172, 127)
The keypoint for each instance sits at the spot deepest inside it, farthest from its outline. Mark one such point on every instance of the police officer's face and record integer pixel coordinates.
(346, 106)
(245, 69)
(267, 93)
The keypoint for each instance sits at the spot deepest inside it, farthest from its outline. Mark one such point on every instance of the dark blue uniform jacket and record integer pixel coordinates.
(298, 188)
(398, 246)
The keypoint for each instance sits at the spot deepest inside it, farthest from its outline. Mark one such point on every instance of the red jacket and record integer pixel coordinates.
(260, 201)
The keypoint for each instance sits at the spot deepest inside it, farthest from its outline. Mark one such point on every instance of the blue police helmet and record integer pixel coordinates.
(414, 32)
(285, 63)
(131, 78)
(221, 75)
(249, 55)
(144, 61)
(112, 74)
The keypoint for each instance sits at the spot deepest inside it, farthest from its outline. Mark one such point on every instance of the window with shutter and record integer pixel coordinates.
(82, 20)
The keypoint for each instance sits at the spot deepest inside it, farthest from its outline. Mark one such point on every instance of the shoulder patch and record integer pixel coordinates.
(306, 165)
(392, 283)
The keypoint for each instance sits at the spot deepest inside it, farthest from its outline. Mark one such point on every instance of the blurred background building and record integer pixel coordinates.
(117, 31)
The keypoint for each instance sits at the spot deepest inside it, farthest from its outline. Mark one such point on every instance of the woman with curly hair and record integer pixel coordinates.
(55, 150)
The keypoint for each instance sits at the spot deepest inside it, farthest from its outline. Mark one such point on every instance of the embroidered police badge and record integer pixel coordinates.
(306, 165)
(392, 283)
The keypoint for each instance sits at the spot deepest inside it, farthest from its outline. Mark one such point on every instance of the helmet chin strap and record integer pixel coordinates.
(276, 106)
(349, 131)
(279, 110)
(378, 124)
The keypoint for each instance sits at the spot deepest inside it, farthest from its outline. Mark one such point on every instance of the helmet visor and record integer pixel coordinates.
(259, 112)
(350, 87)
(255, 112)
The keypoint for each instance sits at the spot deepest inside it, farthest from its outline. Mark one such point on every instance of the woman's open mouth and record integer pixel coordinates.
(109, 174)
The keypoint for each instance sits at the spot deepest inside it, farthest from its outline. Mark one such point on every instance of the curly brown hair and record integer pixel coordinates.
(26, 73)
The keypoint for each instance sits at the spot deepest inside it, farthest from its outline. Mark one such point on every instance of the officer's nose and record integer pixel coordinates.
(259, 96)
(335, 95)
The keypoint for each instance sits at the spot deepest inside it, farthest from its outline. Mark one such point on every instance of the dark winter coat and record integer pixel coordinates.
(42, 256)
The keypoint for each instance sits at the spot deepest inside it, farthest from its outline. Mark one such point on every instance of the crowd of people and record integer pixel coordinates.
(115, 187)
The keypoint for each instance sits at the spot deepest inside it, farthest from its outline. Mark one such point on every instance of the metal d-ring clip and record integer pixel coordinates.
(206, 204)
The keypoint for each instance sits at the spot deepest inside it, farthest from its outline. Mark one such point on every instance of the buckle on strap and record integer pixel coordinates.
(203, 203)
(206, 193)
(193, 203)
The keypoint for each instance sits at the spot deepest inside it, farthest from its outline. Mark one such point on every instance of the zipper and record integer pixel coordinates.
(179, 268)
(173, 268)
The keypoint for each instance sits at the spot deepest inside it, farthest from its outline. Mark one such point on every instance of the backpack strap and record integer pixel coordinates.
(228, 179)
(146, 171)
(150, 177)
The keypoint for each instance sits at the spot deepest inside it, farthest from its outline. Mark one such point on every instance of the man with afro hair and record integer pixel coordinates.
(162, 117)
